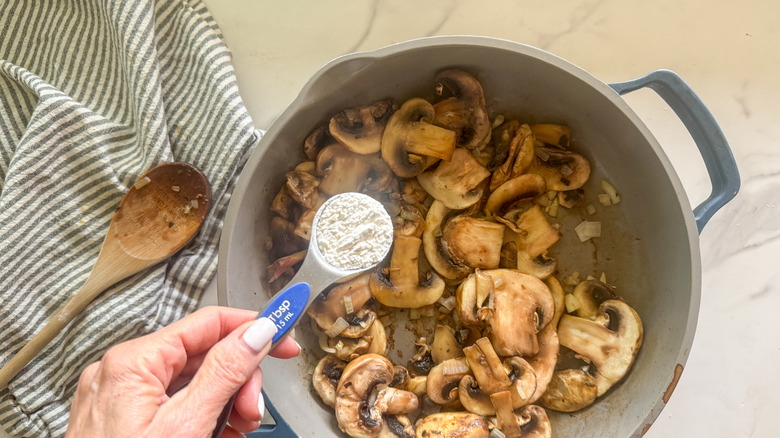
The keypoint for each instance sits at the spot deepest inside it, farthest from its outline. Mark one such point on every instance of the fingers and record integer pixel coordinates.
(249, 407)
(286, 349)
(228, 365)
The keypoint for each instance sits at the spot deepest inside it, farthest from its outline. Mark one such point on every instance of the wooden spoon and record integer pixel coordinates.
(160, 214)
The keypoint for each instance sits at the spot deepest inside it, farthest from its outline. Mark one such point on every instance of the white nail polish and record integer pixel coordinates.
(260, 333)
(261, 405)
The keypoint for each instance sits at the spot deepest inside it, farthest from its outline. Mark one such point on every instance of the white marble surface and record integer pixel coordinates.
(727, 51)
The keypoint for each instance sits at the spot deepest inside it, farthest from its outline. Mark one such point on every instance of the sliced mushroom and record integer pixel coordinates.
(570, 390)
(514, 192)
(610, 343)
(410, 141)
(378, 337)
(472, 295)
(348, 349)
(302, 187)
(519, 157)
(455, 182)
(417, 385)
(541, 266)
(529, 422)
(316, 140)
(397, 426)
(284, 205)
(343, 171)
(326, 377)
(452, 424)
(421, 362)
(443, 380)
(561, 169)
(364, 395)
(534, 234)
(445, 345)
(360, 129)
(473, 242)
(551, 133)
(436, 254)
(522, 307)
(465, 112)
(402, 288)
(515, 375)
(590, 294)
(332, 305)
(543, 363)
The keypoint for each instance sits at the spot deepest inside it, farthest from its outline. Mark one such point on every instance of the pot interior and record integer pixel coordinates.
(648, 248)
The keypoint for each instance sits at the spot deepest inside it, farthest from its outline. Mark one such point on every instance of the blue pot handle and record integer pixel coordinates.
(279, 430)
(705, 131)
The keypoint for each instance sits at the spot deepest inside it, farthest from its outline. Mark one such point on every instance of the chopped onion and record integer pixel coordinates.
(497, 121)
(587, 230)
(603, 278)
(323, 338)
(544, 156)
(348, 305)
(498, 283)
(339, 326)
(496, 433)
(454, 366)
(449, 302)
(428, 310)
(175, 188)
(605, 200)
(339, 345)
(363, 323)
(194, 204)
(590, 209)
(553, 209)
(572, 303)
(590, 277)
(142, 182)
(609, 189)
(414, 314)
(566, 170)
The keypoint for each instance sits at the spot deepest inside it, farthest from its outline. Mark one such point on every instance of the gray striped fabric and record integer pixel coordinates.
(92, 94)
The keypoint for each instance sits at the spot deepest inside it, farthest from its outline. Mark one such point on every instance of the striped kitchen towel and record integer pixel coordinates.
(92, 94)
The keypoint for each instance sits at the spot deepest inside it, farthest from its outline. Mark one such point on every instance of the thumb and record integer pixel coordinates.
(227, 366)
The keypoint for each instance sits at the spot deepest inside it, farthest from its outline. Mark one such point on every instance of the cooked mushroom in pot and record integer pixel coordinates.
(477, 202)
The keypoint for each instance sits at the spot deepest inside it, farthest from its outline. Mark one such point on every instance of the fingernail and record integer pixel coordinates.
(261, 405)
(259, 334)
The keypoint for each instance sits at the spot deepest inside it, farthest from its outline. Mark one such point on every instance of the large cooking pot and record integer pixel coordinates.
(649, 247)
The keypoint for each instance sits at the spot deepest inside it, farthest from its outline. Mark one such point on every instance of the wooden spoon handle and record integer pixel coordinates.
(73, 307)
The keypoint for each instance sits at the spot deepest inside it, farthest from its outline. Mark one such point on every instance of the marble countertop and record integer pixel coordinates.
(727, 51)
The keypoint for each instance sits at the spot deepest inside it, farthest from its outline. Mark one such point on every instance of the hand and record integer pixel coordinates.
(176, 381)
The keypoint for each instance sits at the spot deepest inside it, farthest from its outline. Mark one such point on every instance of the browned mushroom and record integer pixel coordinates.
(513, 193)
(473, 242)
(360, 129)
(411, 143)
(529, 422)
(443, 380)
(465, 111)
(433, 246)
(363, 395)
(452, 424)
(344, 301)
(543, 363)
(343, 171)
(561, 169)
(455, 182)
(326, 377)
(552, 133)
(402, 287)
(519, 156)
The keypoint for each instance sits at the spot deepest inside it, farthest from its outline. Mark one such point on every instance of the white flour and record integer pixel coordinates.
(354, 231)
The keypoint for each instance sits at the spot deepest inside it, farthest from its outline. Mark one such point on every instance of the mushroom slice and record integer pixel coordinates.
(316, 140)
(284, 205)
(471, 296)
(514, 192)
(348, 349)
(590, 294)
(452, 424)
(473, 242)
(515, 375)
(561, 169)
(570, 390)
(443, 379)
(501, 140)
(541, 266)
(530, 422)
(410, 139)
(360, 129)
(326, 377)
(522, 307)
(343, 171)
(378, 337)
(534, 234)
(543, 363)
(397, 426)
(455, 182)
(521, 154)
(418, 385)
(551, 133)
(330, 306)
(436, 254)
(421, 362)
(465, 112)
(363, 396)
(403, 287)
(302, 187)
(610, 343)
(445, 345)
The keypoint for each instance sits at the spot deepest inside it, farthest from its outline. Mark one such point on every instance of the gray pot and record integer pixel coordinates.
(649, 247)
